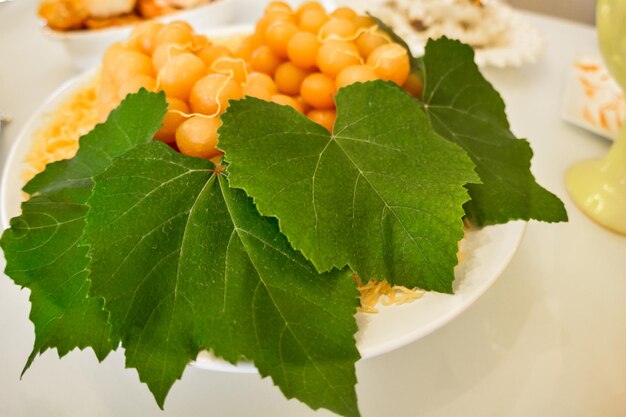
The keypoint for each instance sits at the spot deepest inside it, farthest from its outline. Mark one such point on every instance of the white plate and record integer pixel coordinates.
(487, 252)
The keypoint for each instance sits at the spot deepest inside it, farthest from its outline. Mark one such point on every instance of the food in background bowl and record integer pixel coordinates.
(498, 34)
(86, 46)
(65, 15)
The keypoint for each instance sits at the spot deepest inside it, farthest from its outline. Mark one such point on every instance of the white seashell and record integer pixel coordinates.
(498, 34)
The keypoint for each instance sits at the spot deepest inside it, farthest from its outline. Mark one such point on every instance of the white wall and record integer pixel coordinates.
(580, 10)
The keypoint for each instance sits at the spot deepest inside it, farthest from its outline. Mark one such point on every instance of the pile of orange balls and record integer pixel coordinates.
(299, 58)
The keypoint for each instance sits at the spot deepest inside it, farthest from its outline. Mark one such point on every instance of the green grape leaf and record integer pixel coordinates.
(382, 194)
(184, 262)
(42, 248)
(465, 109)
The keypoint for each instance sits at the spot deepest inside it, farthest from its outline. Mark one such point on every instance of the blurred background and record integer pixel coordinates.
(579, 10)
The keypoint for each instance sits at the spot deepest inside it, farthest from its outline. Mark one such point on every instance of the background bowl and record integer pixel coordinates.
(86, 47)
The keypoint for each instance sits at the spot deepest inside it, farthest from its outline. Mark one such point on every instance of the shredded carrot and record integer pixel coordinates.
(603, 122)
(590, 92)
(230, 71)
(376, 292)
(587, 67)
(586, 83)
(381, 291)
(323, 38)
(57, 139)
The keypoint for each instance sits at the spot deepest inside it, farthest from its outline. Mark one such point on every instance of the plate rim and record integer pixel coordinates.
(31, 125)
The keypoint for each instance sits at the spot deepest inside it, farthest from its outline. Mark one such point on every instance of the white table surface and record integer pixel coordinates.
(548, 339)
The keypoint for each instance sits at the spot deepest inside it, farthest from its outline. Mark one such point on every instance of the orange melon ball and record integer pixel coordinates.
(256, 40)
(339, 29)
(249, 45)
(318, 90)
(246, 47)
(179, 75)
(174, 33)
(199, 41)
(306, 6)
(306, 107)
(258, 91)
(289, 78)
(164, 52)
(265, 60)
(343, 13)
(263, 80)
(129, 64)
(217, 160)
(260, 27)
(367, 42)
(302, 49)
(326, 118)
(353, 74)
(414, 85)
(112, 54)
(213, 52)
(234, 67)
(269, 19)
(172, 119)
(278, 6)
(197, 136)
(363, 22)
(312, 20)
(211, 93)
(333, 56)
(144, 36)
(133, 84)
(285, 100)
(181, 24)
(278, 35)
(390, 62)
